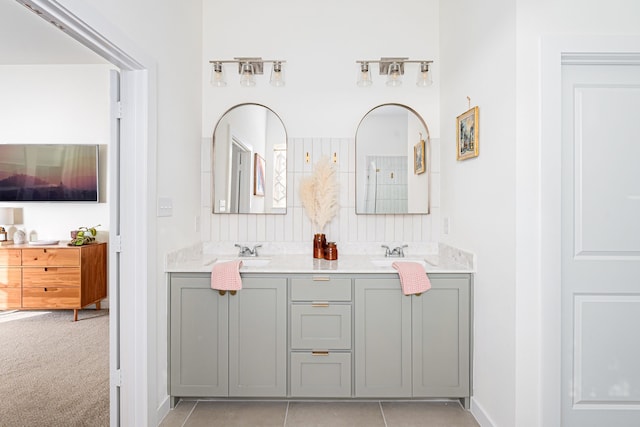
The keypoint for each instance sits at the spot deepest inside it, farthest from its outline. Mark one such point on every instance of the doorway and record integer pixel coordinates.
(131, 196)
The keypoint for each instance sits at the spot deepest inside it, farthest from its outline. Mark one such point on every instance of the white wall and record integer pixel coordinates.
(57, 104)
(478, 195)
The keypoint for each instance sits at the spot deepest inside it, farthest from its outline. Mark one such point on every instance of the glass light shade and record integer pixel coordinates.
(364, 76)
(217, 75)
(424, 76)
(246, 75)
(394, 77)
(277, 75)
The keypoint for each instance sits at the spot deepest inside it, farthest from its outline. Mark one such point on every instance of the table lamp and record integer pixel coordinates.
(6, 218)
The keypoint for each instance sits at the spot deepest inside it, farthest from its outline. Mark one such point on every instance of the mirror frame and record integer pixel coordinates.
(427, 152)
(213, 160)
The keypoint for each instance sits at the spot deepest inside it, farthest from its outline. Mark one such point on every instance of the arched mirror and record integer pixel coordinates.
(250, 161)
(392, 162)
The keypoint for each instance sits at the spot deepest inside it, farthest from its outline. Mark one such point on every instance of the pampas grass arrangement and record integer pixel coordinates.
(319, 194)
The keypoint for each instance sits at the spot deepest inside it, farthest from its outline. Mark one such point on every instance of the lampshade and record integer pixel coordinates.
(424, 75)
(364, 75)
(6, 216)
(217, 75)
(394, 75)
(246, 75)
(277, 75)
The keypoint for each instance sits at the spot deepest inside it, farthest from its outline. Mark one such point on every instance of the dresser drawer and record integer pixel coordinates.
(50, 297)
(10, 298)
(321, 326)
(10, 257)
(320, 374)
(10, 277)
(320, 288)
(51, 256)
(50, 276)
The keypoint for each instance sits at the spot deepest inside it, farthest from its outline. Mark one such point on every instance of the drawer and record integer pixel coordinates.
(51, 256)
(10, 298)
(320, 288)
(10, 277)
(320, 374)
(51, 297)
(10, 257)
(321, 326)
(50, 276)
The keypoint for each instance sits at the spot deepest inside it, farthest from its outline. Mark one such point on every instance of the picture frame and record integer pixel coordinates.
(467, 134)
(258, 175)
(419, 164)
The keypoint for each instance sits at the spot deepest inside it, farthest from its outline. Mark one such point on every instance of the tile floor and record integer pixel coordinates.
(190, 413)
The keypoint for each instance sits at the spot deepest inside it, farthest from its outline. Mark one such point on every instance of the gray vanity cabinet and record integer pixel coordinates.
(320, 324)
(382, 339)
(440, 338)
(413, 346)
(198, 337)
(231, 345)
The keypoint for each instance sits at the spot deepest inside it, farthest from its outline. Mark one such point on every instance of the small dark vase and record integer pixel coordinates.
(319, 243)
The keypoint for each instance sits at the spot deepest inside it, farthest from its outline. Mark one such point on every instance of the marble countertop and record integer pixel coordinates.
(195, 260)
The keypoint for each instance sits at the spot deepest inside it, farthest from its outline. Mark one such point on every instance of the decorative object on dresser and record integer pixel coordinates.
(6, 218)
(19, 237)
(53, 277)
(83, 236)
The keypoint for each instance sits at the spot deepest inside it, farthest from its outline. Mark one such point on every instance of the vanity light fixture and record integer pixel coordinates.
(393, 68)
(248, 68)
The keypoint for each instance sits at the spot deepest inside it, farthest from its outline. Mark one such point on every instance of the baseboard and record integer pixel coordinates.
(163, 409)
(480, 415)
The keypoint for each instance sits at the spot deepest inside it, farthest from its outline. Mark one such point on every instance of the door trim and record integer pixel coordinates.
(557, 51)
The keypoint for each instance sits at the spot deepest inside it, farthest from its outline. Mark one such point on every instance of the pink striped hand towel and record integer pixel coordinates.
(225, 276)
(413, 277)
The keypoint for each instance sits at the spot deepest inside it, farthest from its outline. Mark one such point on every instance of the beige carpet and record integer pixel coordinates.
(53, 371)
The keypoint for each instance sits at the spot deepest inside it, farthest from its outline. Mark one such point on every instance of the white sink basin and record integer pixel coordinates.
(386, 262)
(248, 262)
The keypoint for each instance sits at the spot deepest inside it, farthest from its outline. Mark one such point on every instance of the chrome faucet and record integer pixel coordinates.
(245, 251)
(395, 252)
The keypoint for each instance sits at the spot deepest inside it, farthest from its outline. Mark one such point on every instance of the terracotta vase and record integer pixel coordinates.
(319, 243)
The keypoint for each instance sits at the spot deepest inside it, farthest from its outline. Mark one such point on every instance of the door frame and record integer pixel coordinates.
(131, 386)
(555, 52)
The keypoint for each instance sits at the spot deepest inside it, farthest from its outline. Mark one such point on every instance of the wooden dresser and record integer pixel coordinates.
(53, 277)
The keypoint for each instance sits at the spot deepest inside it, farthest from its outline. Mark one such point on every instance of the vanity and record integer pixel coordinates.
(306, 328)
(313, 329)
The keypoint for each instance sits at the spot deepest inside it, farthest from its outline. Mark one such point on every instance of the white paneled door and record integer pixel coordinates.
(600, 242)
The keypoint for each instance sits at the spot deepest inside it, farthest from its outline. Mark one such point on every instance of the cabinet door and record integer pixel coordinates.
(382, 339)
(257, 338)
(198, 338)
(440, 327)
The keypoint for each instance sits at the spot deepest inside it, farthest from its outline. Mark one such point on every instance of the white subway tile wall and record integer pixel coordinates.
(295, 227)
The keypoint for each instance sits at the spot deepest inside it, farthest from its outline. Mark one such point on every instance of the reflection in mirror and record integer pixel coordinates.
(250, 161)
(392, 162)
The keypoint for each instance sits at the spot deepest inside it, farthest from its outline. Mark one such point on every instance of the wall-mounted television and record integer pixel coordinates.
(48, 173)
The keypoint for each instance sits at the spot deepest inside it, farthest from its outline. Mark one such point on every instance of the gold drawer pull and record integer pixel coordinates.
(320, 353)
(321, 279)
(320, 304)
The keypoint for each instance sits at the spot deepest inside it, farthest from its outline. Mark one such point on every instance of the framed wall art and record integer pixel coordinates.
(419, 158)
(467, 140)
